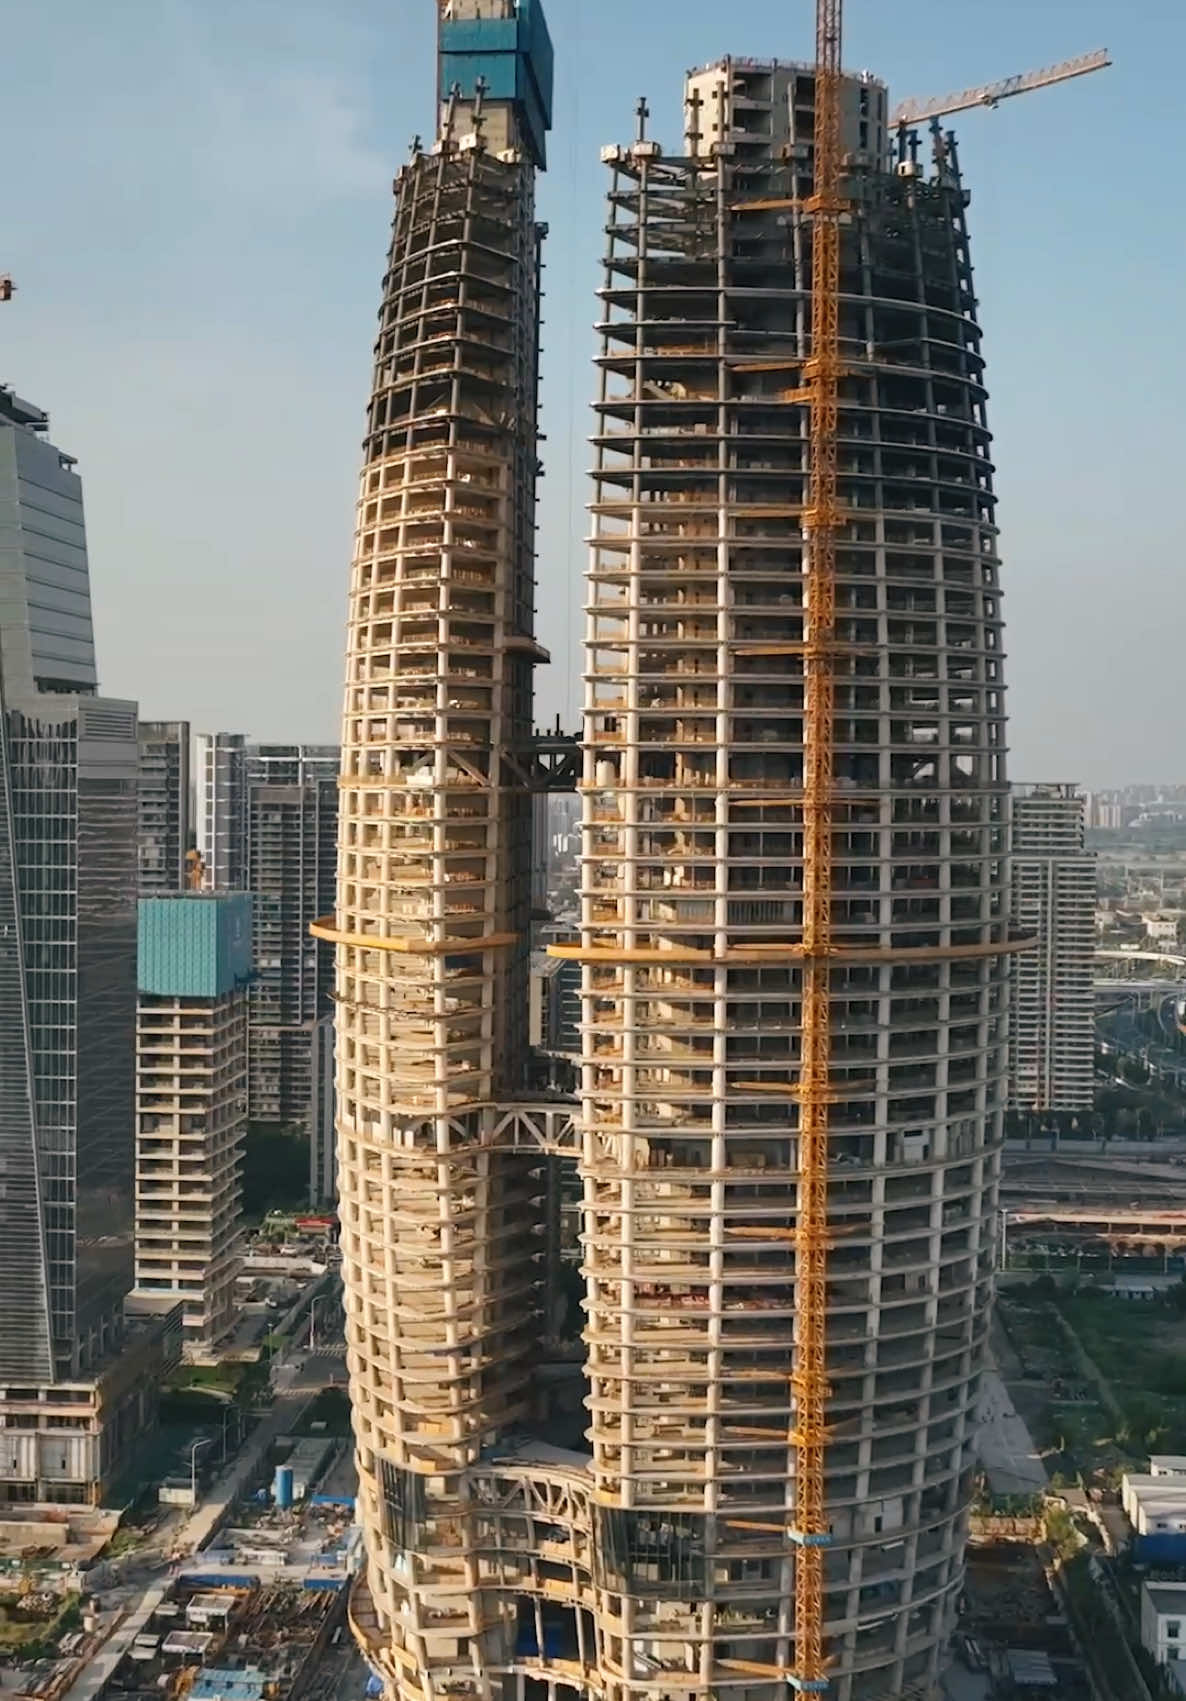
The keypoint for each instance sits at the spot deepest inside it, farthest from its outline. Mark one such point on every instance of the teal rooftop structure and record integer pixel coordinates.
(195, 945)
(506, 54)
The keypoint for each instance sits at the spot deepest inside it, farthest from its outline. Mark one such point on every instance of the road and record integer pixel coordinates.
(341, 1674)
(1004, 1444)
(1119, 1033)
(309, 1373)
(201, 1524)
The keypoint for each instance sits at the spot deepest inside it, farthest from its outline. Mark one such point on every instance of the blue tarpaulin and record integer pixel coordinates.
(220, 1580)
(229, 1683)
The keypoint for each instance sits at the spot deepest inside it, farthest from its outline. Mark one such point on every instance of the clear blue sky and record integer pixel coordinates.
(196, 196)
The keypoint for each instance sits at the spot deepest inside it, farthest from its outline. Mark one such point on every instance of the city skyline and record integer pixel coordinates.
(182, 340)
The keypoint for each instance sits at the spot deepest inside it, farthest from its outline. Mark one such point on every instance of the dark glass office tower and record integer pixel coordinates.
(68, 831)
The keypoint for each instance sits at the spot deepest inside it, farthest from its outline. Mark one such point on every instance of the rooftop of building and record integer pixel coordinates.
(1067, 790)
(194, 944)
(1162, 1490)
(17, 411)
(806, 67)
(1166, 1597)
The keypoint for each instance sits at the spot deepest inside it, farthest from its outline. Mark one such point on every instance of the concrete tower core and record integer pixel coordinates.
(652, 1558)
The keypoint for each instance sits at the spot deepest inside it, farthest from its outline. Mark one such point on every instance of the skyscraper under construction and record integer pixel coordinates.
(648, 1546)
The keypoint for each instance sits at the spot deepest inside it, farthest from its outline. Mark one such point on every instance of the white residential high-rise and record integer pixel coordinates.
(1051, 1016)
(268, 825)
(191, 1106)
(164, 805)
(222, 810)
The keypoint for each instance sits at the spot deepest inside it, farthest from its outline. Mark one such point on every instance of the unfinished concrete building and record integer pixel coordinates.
(651, 1555)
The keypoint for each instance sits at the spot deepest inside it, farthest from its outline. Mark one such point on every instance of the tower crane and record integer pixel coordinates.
(991, 94)
(826, 208)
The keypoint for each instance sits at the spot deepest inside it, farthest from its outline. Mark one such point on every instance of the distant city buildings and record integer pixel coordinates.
(554, 1008)
(540, 853)
(323, 1148)
(1052, 1035)
(221, 812)
(191, 1107)
(75, 1375)
(1103, 812)
(164, 805)
(292, 848)
(1139, 806)
(268, 824)
(1163, 927)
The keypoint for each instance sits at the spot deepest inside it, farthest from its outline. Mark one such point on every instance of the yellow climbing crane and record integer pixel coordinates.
(825, 207)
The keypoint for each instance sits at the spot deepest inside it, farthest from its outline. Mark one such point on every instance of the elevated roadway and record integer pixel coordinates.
(1131, 1228)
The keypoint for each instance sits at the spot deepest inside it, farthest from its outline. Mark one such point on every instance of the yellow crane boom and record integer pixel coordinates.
(917, 111)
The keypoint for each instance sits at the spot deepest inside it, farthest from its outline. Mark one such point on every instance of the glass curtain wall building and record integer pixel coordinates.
(68, 874)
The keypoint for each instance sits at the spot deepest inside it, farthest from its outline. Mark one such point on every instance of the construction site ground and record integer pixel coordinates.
(1096, 1379)
(251, 1642)
(1009, 1615)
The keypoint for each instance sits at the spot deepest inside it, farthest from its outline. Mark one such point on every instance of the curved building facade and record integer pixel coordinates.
(693, 897)
(652, 1556)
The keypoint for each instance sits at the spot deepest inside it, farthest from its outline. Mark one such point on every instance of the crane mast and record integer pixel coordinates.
(822, 374)
(826, 208)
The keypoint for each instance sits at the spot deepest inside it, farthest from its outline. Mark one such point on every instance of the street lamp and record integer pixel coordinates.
(313, 1321)
(229, 1411)
(206, 1441)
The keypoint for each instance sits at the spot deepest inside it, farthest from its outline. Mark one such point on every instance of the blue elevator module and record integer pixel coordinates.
(514, 57)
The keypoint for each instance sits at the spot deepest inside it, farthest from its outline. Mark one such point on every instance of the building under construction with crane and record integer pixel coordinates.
(755, 1476)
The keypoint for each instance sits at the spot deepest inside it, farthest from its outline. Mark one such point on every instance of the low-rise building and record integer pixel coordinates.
(74, 1443)
(1163, 1627)
(1154, 1504)
(1162, 926)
